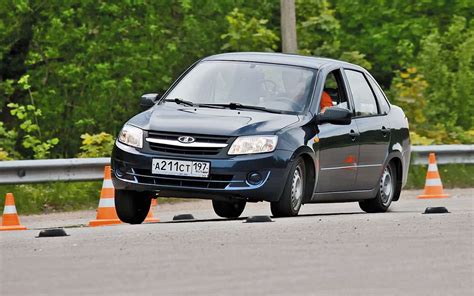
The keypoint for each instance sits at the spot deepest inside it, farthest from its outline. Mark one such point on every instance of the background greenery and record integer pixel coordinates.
(71, 71)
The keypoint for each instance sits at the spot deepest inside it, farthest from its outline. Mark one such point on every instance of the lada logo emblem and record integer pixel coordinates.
(186, 139)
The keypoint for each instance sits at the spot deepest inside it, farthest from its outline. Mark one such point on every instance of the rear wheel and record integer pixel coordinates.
(228, 209)
(132, 206)
(385, 194)
(293, 193)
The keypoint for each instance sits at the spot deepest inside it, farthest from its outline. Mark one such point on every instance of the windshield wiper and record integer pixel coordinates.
(235, 106)
(181, 102)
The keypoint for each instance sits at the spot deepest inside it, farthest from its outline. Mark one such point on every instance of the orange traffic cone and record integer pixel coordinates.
(106, 214)
(10, 219)
(433, 185)
(149, 217)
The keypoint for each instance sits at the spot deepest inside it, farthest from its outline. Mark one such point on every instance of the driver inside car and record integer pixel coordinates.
(297, 87)
(326, 101)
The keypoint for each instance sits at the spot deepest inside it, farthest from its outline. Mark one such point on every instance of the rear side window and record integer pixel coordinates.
(364, 100)
(384, 106)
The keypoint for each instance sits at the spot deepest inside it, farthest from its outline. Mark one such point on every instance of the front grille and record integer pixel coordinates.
(213, 182)
(171, 149)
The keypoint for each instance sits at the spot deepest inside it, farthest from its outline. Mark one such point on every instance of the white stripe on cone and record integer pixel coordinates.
(433, 182)
(107, 203)
(107, 184)
(432, 167)
(9, 210)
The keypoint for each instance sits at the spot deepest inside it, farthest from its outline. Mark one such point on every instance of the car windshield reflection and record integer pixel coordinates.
(273, 87)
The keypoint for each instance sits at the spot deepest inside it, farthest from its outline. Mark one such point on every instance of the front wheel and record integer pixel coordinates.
(293, 193)
(228, 209)
(385, 194)
(132, 206)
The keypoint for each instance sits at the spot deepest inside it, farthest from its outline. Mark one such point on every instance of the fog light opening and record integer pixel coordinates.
(123, 172)
(254, 178)
(119, 172)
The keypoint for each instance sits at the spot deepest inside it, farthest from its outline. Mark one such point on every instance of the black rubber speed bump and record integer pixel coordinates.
(258, 219)
(183, 217)
(52, 232)
(436, 210)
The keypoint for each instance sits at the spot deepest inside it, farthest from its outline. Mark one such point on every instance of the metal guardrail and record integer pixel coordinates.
(444, 154)
(86, 169)
(45, 170)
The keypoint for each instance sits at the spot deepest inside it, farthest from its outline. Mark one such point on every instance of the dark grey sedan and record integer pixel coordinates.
(250, 127)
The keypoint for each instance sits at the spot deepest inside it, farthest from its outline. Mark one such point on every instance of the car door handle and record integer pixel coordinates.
(385, 131)
(353, 134)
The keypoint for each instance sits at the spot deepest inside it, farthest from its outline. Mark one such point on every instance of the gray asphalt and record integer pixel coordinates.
(331, 249)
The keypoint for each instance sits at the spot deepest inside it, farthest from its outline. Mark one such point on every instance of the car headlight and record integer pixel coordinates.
(253, 144)
(132, 136)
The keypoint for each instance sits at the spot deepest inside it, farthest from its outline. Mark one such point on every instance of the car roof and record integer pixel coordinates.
(280, 58)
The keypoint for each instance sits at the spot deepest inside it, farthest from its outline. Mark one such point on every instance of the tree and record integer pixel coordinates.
(389, 32)
(288, 26)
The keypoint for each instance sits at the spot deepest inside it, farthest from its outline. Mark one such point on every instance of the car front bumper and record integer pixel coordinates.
(227, 179)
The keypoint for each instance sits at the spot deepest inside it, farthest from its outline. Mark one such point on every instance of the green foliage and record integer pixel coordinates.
(98, 145)
(408, 89)
(319, 33)
(85, 63)
(248, 34)
(357, 58)
(29, 134)
(318, 29)
(4, 155)
(7, 143)
(436, 95)
(90, 61)
(27, 116)
(416, 139)
(389, 32)
(31, 131)
(447, 60)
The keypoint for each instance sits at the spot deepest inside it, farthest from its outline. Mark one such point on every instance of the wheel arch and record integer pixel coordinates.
(396, 158)
(311, 168)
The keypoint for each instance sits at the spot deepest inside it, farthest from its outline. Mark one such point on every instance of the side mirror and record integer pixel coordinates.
(148, 100)
(334, 115)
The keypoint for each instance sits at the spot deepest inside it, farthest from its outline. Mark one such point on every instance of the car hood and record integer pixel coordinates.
(219, 122)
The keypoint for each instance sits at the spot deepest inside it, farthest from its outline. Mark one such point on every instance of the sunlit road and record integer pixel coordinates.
(331, 249)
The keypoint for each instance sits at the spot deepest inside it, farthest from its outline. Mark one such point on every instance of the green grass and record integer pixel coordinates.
(452, 176)
(53, 196)
(71, 196)
(58, 197)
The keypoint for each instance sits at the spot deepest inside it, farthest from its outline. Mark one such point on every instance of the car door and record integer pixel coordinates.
(337, 146)
(373, 128)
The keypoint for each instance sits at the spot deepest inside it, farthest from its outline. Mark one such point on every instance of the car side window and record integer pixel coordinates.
(381, 98)
(334, 87)
(364, 99)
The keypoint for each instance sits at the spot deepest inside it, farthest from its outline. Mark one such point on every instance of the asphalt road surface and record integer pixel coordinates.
(331, 249)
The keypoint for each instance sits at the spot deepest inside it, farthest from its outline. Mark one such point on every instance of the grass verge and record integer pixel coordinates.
(58, 197)
(452, 176)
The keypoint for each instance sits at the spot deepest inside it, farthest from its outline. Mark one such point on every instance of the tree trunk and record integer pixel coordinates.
(288, 26)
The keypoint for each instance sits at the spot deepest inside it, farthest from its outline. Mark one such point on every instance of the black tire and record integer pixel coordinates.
(132, 206)
(292, 197)
(228, 209)
(382, 201)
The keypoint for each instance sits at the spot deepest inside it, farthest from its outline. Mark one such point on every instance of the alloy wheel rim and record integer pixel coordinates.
(297, 188)
(386, 186)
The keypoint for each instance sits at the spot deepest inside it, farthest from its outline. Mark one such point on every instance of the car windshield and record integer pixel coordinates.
(269, 86)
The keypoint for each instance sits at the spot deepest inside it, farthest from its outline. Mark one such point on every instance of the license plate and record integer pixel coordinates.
(180, 168)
